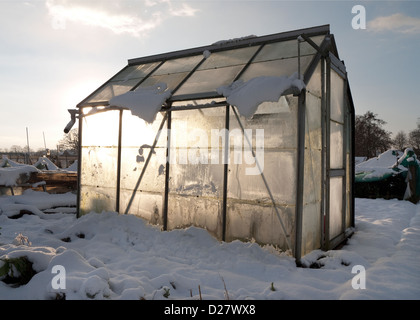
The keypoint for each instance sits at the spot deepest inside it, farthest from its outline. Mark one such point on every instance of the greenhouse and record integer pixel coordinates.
(249, 138)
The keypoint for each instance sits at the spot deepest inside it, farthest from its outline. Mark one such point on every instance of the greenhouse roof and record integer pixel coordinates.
(204, 72)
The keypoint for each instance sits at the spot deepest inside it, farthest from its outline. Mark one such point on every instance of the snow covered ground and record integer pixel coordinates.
(111, 256)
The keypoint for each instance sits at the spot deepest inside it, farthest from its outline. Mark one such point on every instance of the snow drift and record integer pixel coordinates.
(112, 256)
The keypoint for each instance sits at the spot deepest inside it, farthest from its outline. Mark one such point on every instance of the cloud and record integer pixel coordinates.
(398, 23)
(185, 11)
(137, 21)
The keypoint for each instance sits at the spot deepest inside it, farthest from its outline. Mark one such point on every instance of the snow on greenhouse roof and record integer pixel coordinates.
(257, 63)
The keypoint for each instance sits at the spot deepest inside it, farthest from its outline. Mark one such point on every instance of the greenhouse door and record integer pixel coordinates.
(336, 197)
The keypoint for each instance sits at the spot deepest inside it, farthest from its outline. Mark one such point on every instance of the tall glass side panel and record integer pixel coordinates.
(349, 173)
(196, 170)
(336, 206)
(337, 155)
(98, 176)
(251, 213)
(142, 167)
(311, 217)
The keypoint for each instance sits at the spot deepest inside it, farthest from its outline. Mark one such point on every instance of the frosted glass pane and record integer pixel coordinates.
(348, 192)
(172, 72)
(313, 122)
(253, 222)
(312, 184)
(336, 206)
(149, 177)
(180, 65)
(101, 129)
(314, 86)
(219, 69)
(311, 227)
(228, 58)
(209, 80)
(197, 211)
(146, 205)
(196, 163)
(196, 179)
(136, 132)
(97, 199)
(279, 168)
(277, 119)
(134, 168)
(171, 80)
(135, 72)
(312, 176)
(275, 125)
(286, 49)
(122, 82)
(98, 179)
(112, 89)
(337, 97)
(336, 145)
(276, 68)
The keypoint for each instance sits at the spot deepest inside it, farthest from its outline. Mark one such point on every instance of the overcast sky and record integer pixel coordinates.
(54, 53)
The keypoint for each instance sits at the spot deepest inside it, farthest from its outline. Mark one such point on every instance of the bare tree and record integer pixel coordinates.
(400, 141)
(414, 139)
(370, 138)
(17, 149)
(70, 140)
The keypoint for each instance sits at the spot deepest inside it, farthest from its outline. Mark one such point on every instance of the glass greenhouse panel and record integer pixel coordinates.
(98, 184)
(348, 193)
(142, 168)
(336, 145)
(349, 167)
(277, 119)
(203, 81)
(122, 82)
(311, 216)
(313, 152)
(250, 210)
(276, 68)
(112, 89)
(279, 168)
(146, 205)
(336, 207)
(98, 178)
(286, 49)
(337, 97)
(259, 223)
(135, 72)
(179, 65)
(272, 132)
(201, 212)
(314, 86)
(172, 72)
(196, 171)
(219, 69)
(229, 58)
(170, 80)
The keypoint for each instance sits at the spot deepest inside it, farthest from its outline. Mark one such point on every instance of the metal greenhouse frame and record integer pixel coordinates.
(302, 198)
